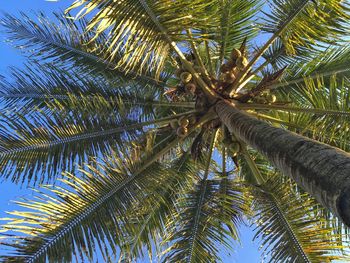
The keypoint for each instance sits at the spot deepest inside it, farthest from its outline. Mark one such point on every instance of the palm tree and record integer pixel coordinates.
(172, 123)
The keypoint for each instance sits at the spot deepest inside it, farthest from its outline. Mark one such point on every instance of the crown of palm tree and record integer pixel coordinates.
(164, 125)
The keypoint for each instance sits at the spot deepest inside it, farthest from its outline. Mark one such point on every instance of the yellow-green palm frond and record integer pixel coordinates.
(317, 108)
(307, 23)
(72, 217)
(205, 218)
(67, 45)
(326, 63)
(277, 57)
(52, 139)
(143, 30)
(291, 227)
(147, 224)
(232, 23)
(33, 87)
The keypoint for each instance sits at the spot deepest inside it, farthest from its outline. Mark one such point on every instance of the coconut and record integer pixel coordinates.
(181, 131)
(191, 87)
(234, 147)
(235, 53)
(183, 121)
(271, 98)
(229, 77)
(174, 124)
(192, 119)
(241, 62)
(185, 77)
(260, 99)
(229, 65)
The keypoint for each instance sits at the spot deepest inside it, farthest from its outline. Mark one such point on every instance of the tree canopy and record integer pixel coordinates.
(114, 123)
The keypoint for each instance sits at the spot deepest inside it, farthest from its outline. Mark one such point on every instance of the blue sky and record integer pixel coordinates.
(247, 252)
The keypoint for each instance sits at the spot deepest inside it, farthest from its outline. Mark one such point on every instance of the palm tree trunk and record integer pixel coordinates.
(321, 170)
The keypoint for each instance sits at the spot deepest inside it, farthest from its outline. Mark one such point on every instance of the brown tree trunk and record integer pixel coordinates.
(321, 170)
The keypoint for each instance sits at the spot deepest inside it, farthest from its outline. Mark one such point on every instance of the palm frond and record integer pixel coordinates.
(330, 124)
(72, 217)
(287, 108)
(143, 29)
(290, 226)
(33, 87)
(147, 227)
(65, 43)
(289, 19)
(50, 141)
(232, 23)
(334, 61)
(196, 219)
(210, 226)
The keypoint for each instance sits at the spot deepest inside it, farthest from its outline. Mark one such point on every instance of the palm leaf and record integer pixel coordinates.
(288, 19)
(143, 29)
(198, 227)
(232, 23)
(48, 143)
(73, 216)
(66, 43)
(328, 97)
(147, 227)
(290, 226)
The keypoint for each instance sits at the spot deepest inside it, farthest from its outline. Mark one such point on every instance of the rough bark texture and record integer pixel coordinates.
(321, 170)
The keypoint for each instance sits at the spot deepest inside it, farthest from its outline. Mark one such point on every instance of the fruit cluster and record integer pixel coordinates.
(232, 145)
(229, 70)
(264, 98)
(182, 124)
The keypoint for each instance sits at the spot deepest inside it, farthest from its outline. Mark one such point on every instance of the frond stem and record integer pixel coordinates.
(290, 231)
(255, 106)
(91, 97)
(312, 76)
(89, 135)
(201, 197)
(258, 177)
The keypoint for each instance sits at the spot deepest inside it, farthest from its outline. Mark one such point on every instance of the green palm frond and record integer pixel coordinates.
(53, 140)
(233, 23)
(148, 226)
(79, 208)
(290, 18)
(197, 218)
(199, 227)
(143, 29)
(290, 226)
(33, 87)
(334, 61)
(128, 103)
(327, 120)
(276, 56)
(66, 44)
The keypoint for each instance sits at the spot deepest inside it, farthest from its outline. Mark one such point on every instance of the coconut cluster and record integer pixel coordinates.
(265, 98)
(231, 67)
(181, 125)
(231, 143)
(186, 86)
